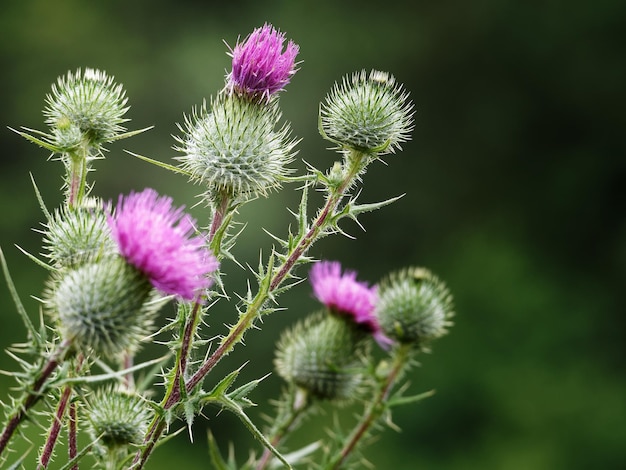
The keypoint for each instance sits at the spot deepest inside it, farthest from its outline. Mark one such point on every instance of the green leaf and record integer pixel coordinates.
(240, 395)
(79, 455)
(222, 387)
(18, 302)
(243, 417)
(216, 457)
(400, 400)
(113, 374)
(166, 166)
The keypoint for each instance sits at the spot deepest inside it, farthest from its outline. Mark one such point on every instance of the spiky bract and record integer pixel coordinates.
(368, 113)
(89, 102)
(414, 306)
(117, 417)
(104, 307)
(74, 236)
(324, 356)
(236, 147)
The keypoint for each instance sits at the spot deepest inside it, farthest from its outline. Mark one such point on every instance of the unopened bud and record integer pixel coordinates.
(414, 307)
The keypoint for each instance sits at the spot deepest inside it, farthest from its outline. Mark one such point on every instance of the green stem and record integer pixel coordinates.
(375, 408)
(285, 423)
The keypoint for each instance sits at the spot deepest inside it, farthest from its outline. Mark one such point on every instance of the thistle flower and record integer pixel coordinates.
(367, 113)
(105, 307)
(322, 355)
(346, 296)
(74, 236)
(87, 101)
(260, 66)
(414, 307)
(118, 418)
(236, 148)
(155, 238)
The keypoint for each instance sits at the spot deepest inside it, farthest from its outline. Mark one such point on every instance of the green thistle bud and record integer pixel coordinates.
(74, 236)
(117, 417)
(414, 306)
(367, 113)
(89, 101)
(236, 147)
(324, 356)
(106, 307)
(67, 136)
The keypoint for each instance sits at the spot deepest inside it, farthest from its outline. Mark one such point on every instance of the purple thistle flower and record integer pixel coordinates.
(260, 67)
(344, 295)
(155, 238)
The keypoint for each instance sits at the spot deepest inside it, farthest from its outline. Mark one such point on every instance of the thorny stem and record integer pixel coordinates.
(354, 166)
(375, 408)
(72, 432)
(78, 177)
(219, 214)
(34, 393)
(174, 392)
(299, 405)
(55, 428)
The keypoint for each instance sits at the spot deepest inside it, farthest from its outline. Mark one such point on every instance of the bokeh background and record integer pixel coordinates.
(514, 187)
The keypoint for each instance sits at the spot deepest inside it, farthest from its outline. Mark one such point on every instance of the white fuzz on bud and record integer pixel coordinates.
(367, 113)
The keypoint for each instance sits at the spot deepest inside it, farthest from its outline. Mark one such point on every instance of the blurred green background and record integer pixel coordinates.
(514, 187)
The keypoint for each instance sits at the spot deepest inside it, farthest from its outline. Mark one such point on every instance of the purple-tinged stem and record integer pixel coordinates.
(72, 441)
(55, 428)
(245, 322)
(375, 408)
(34, 394)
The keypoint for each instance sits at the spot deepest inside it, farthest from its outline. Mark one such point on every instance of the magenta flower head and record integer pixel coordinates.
(260, 66)
(156, 238)
(346, 296)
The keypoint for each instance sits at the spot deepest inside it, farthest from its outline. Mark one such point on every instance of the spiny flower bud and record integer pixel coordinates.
(324, 356)
(117, 417)
(106, 307)
(156, 238)
(236, 148)
(260, 67)
(89, 101)
(367, 113)
(414, 306)
(74, 236)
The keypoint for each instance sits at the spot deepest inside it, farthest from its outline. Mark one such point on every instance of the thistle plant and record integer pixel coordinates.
(114, 264)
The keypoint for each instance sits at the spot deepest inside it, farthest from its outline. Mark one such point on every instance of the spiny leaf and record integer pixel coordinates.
(240, 395)
(238, 411)
(401, 400)
(113, 374)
